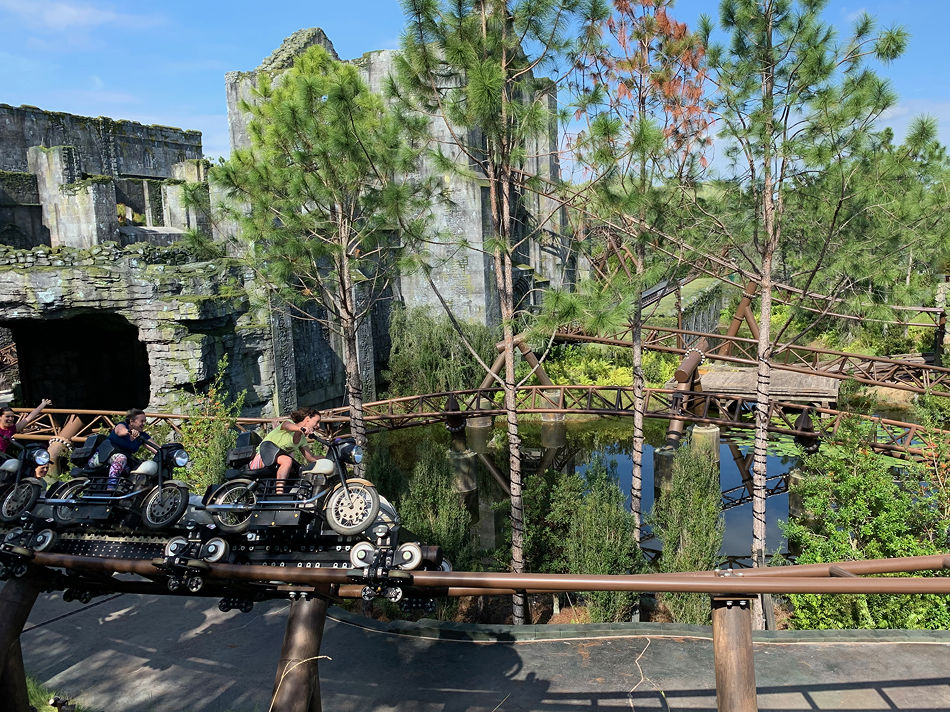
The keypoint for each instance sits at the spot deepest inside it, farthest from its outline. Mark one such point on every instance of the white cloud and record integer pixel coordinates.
(853, 15)
(900, 116)
(53, 16)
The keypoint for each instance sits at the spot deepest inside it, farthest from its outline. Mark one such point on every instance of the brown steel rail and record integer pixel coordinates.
(815, 578)
(719, 267)
(891, 437)
(870, 370)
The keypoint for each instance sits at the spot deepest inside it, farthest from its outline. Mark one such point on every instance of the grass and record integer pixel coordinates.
(40, 695)
(667, 306)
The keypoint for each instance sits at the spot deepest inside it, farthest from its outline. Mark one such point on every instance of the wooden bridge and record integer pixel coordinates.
(912, 376)
(891, 437)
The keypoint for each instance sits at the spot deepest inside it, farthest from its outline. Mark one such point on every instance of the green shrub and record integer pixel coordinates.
(434, 511)
(858, 510)
(428, 356)
(600, 540)
(688, 522)
(208, 437)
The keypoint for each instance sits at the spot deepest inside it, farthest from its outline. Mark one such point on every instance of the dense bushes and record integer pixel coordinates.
(428, 356)
(856, 508)
(579, 524)
(593, 365)
(688, 522)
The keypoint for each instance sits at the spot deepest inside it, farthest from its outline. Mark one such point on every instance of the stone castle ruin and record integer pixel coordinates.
(107, 310)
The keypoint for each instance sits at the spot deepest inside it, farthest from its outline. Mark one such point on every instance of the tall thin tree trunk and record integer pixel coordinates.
(771, 223)
(639, 402)
(762, 409)
(351, 365)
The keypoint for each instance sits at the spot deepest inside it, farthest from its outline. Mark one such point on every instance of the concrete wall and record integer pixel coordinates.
(105, 146)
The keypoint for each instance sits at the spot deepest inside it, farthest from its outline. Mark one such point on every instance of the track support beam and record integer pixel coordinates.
(732, 651)
(297, 685)
(16, 601)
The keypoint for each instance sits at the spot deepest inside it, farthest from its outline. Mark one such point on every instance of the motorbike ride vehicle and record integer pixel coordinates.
(146, 492)
(19, 489)
(317, 493)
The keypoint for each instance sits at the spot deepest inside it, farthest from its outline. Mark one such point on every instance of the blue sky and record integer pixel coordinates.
(165, 62)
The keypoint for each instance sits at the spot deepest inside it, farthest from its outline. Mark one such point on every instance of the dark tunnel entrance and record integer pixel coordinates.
(91, 361)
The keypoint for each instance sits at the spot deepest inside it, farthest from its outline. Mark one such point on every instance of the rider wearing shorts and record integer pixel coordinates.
(291, 438)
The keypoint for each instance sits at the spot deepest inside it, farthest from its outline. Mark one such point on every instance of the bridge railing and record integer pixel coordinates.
(892, 437)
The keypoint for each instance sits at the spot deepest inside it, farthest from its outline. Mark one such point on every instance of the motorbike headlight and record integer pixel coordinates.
(351, 453)
(41, 457)
(181, 458)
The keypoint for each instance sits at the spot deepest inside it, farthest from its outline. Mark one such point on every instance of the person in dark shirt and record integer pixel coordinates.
(128, 437)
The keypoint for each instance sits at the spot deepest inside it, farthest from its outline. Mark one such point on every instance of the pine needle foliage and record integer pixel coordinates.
(600, 541)
(428, 355)
(434, 511)
(324, 197)
(209, 435)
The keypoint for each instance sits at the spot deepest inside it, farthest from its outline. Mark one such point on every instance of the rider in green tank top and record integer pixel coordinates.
(291, 437)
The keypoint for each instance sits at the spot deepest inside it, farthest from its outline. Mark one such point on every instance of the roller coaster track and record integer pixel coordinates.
(720, 267)
(891, 437)
(870, 370)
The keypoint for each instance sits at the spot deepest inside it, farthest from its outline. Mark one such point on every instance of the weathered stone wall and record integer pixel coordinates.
(105, 146)
(78, 213)
(21, 217)
(187, 314)
(238, 85)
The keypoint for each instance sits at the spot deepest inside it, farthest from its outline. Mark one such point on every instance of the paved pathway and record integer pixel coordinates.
(164, 654)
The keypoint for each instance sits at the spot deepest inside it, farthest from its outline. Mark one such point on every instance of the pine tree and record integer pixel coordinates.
(640, 91)
(476, 65)
(321, 199)
(791, 101)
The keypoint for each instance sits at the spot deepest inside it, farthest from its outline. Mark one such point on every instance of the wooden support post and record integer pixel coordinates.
(737, 318)
(297, 685)
(16, 601)
(674, 431)
(72, 426)
(496, 367)
(752, 323)
(732, 651)
(13, 682)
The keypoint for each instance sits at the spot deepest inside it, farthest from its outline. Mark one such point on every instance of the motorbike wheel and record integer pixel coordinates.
(19, 500)
(355, 516)
(233, 493)
(65, 514)
(43, 540)
(163, 506)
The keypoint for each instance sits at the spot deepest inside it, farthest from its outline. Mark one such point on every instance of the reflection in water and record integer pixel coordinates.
(480, 463)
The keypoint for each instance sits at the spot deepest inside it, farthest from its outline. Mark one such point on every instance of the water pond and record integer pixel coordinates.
(573, 447)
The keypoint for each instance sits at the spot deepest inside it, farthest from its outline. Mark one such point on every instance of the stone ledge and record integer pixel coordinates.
(499, 633)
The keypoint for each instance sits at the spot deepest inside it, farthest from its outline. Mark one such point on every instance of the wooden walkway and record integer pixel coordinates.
(786, 386)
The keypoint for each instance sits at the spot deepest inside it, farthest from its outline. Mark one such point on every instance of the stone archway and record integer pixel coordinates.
(93, 360)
